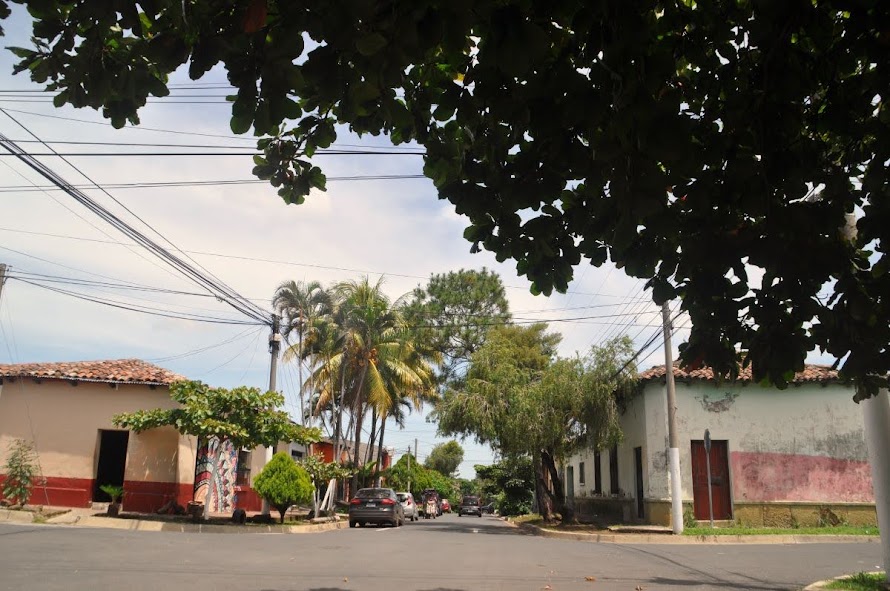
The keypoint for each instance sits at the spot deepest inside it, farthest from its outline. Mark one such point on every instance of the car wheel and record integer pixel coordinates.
(352, 524)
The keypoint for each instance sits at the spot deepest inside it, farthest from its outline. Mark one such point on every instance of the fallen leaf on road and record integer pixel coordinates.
(546, 587)
(345, 579)
(591, 579)
(639, 588)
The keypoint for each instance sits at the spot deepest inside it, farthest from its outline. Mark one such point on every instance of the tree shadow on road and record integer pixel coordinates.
(463, 527)
(719, 584)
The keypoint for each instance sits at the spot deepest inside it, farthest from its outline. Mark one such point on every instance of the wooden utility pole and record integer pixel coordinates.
(2, 277)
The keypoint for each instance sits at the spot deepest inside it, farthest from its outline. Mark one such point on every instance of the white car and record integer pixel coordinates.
(408, 504)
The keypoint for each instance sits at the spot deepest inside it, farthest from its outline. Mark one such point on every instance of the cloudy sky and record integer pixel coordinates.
(240, 232)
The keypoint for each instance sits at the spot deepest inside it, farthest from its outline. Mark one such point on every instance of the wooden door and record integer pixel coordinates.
(719, 480)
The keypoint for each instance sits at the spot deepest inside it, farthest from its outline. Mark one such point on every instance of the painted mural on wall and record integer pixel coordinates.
(761, 476)
(222, 497)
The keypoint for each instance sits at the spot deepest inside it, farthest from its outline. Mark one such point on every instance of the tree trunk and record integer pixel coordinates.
(373, 437)
(545, 506)
(558, 495)
(359, 414)
(379, 466)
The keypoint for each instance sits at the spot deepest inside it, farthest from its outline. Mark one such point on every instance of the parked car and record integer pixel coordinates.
(445, 506)
(376, 505)
(469, 505)
(409, 507)
(489, 508)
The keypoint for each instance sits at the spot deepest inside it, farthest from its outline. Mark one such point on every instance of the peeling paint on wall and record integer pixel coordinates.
(719, 405)
(791, 477)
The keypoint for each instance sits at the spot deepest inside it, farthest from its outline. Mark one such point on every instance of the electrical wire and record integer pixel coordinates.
(132, 213)
(225, 293)
(142, 309)
(205, 349)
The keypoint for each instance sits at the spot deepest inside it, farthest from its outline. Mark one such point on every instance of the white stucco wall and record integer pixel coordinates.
(805, 443)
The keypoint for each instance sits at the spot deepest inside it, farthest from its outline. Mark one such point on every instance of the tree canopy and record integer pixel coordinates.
(244, 416)
(445, 458)
(688, 142)
(524, 402)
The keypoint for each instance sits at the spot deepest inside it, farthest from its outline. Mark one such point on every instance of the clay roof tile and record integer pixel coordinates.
(117, 371)
(810, 373)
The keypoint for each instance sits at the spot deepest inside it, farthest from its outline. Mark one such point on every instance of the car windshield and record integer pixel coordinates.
(373, 493)
(470, 501)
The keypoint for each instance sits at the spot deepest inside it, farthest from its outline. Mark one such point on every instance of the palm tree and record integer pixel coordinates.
(301, 305)
(364, 359)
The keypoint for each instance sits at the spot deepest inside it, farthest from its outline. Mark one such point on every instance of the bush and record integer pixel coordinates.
(283, 483)
(20, 469)
(114, 491)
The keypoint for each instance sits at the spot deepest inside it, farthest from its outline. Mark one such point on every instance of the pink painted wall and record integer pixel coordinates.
(790, 477)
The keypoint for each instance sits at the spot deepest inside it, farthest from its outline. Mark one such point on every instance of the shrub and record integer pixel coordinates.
(113, 491)
(20, 469)
(283, 483)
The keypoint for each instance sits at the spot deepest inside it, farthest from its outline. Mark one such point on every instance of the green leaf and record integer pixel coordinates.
(370, 44)
(241, 124)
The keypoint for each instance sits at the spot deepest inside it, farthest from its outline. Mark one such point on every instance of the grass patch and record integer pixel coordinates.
(839, 530)
(861, 582)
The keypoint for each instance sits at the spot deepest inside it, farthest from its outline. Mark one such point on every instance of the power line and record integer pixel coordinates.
(174, 131)
(205, 349)
(211, 284)
(206, 154)
(143, 309)
(258, 260)
(209, 183)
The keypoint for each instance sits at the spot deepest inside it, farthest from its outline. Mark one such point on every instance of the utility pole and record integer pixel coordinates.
(2, 277)
(876, 419)
(274, 348)
(674, 448)
(409, 468)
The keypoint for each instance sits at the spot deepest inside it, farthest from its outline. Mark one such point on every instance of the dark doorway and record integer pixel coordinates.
(638, 471)
(719, 480)
(112, 461)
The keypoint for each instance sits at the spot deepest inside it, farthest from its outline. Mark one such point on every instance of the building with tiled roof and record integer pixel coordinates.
(777, 457)
(65, 411)
(810, 374)
(117, 371)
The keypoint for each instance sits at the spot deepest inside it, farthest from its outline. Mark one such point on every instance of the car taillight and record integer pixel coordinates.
(355, 502)
(387, 502)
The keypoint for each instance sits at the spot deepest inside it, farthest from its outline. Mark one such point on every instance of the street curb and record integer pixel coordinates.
(205, 528)
(822, 584)
(7, 516)
(672, 539)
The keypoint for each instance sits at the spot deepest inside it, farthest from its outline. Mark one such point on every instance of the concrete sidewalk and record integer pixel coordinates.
(665, 537)
(83, 517)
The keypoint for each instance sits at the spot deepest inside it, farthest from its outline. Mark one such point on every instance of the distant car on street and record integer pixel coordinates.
(469, 505)
(445, 506)
(409, 507)
(489, 508)
(375, 505)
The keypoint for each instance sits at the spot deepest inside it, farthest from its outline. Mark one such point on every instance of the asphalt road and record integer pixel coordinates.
(446, 554)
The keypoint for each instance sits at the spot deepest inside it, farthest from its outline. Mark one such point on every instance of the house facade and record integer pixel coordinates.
(776, 457)
(65, 411)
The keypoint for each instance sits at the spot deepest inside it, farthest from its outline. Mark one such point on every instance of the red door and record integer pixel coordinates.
(719, 480)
